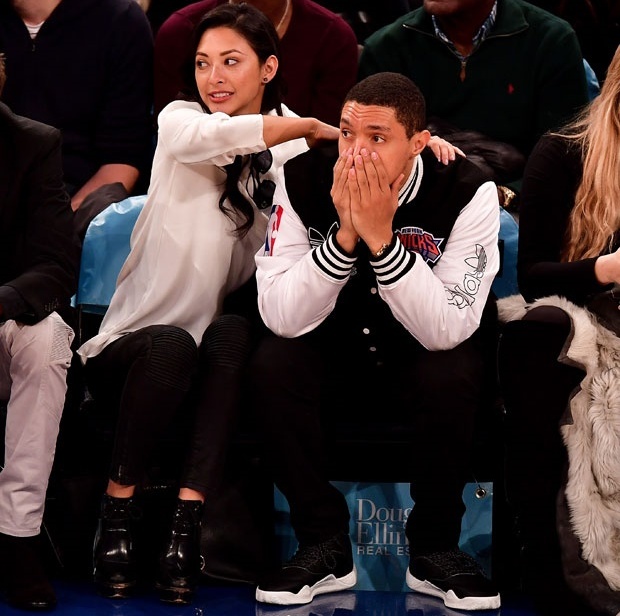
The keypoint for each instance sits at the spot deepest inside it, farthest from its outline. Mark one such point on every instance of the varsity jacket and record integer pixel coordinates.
(428, 288)
(525, 78)
(88, 72)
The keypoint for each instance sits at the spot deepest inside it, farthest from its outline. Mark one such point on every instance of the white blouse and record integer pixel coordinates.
(185, 257)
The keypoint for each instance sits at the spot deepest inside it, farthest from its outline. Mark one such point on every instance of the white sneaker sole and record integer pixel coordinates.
(449, 598)
(307, 593)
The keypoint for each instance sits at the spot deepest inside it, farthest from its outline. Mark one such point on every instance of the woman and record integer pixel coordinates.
(568, 257)
(318, 53)
(218, 157)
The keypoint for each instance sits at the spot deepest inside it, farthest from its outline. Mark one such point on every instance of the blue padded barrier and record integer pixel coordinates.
(105, 248)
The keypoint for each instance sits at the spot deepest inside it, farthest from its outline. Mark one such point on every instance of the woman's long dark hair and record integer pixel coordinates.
(254, 26)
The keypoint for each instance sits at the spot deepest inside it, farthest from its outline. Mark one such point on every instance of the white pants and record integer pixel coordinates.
(34, 360)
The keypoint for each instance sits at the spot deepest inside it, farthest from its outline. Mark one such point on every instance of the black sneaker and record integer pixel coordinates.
(314, 570)
(334, 604)
(455, 577)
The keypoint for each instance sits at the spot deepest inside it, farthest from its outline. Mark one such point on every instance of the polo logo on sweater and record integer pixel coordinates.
(272, 228)
(424, 243)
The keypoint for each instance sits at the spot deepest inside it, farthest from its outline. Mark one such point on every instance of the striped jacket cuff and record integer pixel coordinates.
(393, 264)
(332, 260)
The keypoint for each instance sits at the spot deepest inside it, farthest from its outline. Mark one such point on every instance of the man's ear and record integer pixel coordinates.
(419, 141)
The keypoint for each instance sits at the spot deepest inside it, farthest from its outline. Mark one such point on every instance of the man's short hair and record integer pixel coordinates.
(2, 72)
(395, 91)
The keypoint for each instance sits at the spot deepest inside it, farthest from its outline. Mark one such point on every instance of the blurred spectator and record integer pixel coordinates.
(597, 25)
(318, 52)
(506, 70)
(367, 16)
(157, 11)
(85, 67)
(39, 257)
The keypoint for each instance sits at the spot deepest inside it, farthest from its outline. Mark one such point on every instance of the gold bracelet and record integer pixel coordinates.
(381, 250)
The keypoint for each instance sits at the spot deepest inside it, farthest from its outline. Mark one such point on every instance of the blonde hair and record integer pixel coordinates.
(2, 72)
(596, 214)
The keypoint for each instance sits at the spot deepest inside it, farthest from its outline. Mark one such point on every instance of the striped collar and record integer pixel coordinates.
(482, 33)
(410, 188)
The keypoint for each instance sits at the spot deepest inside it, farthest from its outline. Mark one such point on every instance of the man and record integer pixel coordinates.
(506, 69)
(318, 54)
(375, 286)
(39, 257)
(85, 67)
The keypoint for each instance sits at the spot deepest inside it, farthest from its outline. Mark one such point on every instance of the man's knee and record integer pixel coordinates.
(44, 344)
(279, 360)
(455, 370)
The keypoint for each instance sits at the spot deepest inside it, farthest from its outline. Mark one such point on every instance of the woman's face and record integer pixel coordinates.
(229, 75)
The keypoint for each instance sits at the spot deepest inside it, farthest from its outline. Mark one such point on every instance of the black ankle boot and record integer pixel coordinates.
(180, 562)
(27, 585)
(114, 550)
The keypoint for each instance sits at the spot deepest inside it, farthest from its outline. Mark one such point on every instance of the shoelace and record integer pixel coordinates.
(305, 557)
(310, 555)
(454, 562)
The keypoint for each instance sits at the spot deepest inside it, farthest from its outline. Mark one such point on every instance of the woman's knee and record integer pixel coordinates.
(172, 356)
(227, 341)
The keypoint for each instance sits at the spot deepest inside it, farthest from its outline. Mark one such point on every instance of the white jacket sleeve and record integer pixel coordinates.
(442, 307)
(295, 295)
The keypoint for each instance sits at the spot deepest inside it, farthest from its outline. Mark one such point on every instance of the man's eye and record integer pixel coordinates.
(378, 139)
(345, 133)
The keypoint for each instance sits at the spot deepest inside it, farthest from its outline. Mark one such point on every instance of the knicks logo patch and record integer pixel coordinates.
(272, 228)
(425, 244)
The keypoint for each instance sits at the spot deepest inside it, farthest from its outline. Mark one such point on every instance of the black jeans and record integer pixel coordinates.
(298, 389)
(157, 375)
(536, 390)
